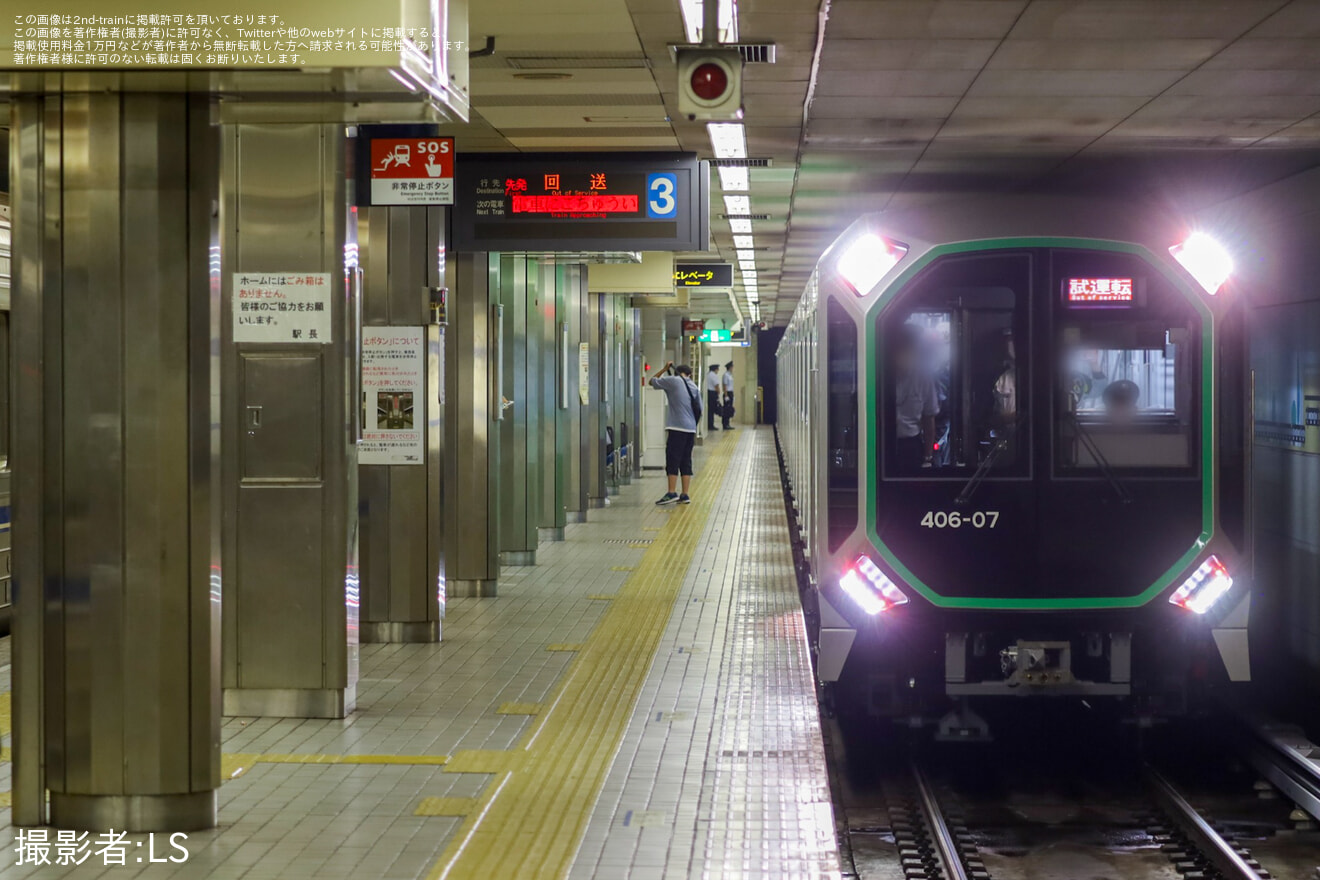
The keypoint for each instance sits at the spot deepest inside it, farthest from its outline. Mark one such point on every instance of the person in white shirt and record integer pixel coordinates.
(726, 408)
(712, 396)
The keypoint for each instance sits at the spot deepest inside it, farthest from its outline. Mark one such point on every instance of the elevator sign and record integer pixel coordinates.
(412, 171)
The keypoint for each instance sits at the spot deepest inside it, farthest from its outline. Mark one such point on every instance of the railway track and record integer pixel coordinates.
(933, 840)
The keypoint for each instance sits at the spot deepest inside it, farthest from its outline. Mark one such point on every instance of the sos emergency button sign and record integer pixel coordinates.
(412, 171)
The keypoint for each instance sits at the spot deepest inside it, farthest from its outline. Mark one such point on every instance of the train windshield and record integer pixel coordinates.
(955, 370)
(1125, 342)
(1085, 362)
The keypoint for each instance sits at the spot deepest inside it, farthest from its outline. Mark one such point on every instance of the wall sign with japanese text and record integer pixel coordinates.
(584, 372)
(582, 201)
(412, 171)
(403, 165)
(393, 377)
(282, 307)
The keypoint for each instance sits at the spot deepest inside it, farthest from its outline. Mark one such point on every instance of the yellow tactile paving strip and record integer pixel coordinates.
(531, 817)
(234, 765)
(446, 806)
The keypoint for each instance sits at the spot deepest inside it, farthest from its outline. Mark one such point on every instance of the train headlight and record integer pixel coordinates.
(870, 588)
(1205, 259)
(1204, 588)
(866, 260)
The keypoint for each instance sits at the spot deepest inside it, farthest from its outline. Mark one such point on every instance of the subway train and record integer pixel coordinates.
(1014, 436)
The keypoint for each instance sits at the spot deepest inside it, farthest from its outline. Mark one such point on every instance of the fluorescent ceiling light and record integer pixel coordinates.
(740, 226)
(748, 273)
(733, 179)
(746, 266)
(727, 139)
(749, 256)
(737, 205)
(693, 19)
(743, 241)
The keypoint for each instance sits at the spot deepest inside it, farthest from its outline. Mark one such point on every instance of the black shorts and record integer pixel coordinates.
(678, 452)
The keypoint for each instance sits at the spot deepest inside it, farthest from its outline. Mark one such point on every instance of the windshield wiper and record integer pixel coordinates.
(1101, 462)
(984, 468)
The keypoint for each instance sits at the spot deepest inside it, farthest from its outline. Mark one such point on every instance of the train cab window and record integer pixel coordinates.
(841, 421)
(1126, 347)
(953, 358)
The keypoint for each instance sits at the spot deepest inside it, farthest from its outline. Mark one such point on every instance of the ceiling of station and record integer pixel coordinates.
(878, 103)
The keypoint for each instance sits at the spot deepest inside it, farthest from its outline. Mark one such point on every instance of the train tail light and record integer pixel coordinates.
(866, 260)
(870, 588)
(1204, 588)
(1205, 259)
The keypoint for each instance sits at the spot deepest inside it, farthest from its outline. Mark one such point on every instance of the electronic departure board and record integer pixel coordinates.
(582, 202)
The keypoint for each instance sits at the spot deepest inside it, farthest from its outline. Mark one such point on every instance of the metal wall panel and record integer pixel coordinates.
(1286, 484)
(115, 653)
(290, 537)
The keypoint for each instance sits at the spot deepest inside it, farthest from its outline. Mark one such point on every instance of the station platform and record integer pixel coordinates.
(638, 705)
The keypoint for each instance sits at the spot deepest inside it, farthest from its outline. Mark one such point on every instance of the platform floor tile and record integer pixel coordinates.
(721, 773)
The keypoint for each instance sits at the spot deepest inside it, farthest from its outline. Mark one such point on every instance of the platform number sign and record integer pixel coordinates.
(661, 196)
(581, 202)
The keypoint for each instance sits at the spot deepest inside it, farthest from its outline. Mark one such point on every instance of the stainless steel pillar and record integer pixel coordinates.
(520, 441)
(552, 401)
(611, 388)
(398, 509)
(472, 442)
(593, 428)
(632, 380)
(573, 283)
(290, 426)
(117, 570)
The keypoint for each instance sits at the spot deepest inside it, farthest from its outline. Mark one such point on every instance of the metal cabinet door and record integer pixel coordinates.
(281, 412)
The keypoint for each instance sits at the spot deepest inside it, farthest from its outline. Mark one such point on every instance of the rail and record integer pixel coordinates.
(946, 845)
(1221, 854)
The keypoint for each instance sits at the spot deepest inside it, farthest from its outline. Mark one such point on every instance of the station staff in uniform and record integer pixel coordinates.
(726, 411)
(712, 396)
(680, 427)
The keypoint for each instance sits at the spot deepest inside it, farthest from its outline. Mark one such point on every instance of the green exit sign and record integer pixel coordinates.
(715, 335)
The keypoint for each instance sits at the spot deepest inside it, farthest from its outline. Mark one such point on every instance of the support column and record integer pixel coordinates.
(520, 439)
(116, 693)
(290, 423)
(552, 401)
(401, 528)
(573, 284)
(593, 426)
(472, 441)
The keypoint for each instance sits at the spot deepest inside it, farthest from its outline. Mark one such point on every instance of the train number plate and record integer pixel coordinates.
(979, 519)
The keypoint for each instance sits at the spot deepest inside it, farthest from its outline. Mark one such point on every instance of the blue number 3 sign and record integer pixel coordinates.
(661, 195)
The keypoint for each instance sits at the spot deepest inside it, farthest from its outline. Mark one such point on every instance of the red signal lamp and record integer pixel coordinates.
(709, 81)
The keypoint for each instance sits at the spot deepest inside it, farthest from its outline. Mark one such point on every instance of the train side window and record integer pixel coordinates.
(953, 357)
(841, 422)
